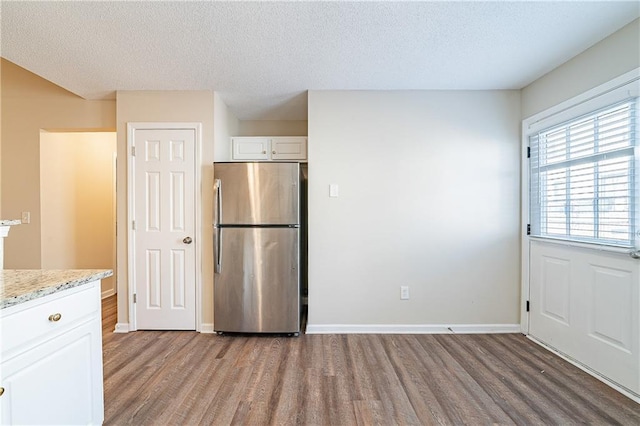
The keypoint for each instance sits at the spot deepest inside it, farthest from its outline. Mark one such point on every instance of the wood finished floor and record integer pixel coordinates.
(187, 378)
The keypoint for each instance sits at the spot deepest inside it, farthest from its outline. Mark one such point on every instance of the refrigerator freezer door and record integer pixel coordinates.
(258, 287)
(257, 193)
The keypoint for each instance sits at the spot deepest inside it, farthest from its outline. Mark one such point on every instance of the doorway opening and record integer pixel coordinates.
(78, 202)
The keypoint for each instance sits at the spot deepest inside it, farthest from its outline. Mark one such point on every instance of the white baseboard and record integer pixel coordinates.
(108, 293)
(121, 327)
(206, 328)
(626, 392)
(411, 328)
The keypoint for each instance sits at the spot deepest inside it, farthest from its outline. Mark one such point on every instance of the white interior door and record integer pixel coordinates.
(164, 230)
(585, 303)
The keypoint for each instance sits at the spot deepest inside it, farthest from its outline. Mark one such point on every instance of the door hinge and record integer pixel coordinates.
(527, 306)
(133, 151)
(528, 229)
(528, 152)
(133, 225)
(135, 299)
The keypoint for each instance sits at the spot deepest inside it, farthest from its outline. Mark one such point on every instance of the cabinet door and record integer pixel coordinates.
(249, 148)
(289, 148)
(57, 382)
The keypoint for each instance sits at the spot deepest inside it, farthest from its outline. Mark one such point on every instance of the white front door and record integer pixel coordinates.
(164, 229)
(585, 303)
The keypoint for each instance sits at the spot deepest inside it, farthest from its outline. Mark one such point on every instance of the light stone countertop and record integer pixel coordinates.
(10, 222)
(21, 285)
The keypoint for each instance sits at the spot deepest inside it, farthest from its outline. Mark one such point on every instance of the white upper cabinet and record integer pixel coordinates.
(289, 148)
(281, 148)
(249, 148)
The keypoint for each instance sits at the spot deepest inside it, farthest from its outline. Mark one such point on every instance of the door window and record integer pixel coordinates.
(583, 178)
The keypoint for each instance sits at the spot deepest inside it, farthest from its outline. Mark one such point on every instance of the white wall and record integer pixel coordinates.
(77, 202)
(429, 198)
(225, 125)
(611, 57)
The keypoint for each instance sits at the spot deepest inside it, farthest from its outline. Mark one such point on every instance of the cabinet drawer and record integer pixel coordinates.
(30, 320)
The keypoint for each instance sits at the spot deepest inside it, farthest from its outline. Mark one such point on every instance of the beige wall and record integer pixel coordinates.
(227, 125)
(611, 57)
(77, 196)
(429, 198)
(272, 128)
(1, 217)
(167, 106)
(30, 104)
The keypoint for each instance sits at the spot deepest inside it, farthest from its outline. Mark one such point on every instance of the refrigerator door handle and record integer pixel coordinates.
(217, 211)
(218, 249)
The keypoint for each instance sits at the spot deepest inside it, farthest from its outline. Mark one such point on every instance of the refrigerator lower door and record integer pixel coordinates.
(258, 287)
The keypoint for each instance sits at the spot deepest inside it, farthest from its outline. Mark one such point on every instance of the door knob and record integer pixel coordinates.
(187, 240)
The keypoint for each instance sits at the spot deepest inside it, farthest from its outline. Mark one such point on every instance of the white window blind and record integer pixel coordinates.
(583, 181)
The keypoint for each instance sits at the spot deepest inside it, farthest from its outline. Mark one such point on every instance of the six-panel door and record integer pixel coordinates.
(165, 229)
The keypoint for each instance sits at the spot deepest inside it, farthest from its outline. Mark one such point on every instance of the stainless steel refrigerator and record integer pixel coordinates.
(257, 247)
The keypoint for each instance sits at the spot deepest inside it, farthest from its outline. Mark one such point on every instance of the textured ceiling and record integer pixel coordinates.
(262, 57)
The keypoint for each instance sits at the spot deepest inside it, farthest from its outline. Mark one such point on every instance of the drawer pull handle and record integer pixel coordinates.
(55, 317)
(1, 391)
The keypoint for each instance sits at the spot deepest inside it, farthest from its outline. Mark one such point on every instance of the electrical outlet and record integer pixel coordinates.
(26, 217)
(404, 292)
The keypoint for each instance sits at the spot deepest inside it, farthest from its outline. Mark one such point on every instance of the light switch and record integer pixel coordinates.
(26, 217)
(333, 190)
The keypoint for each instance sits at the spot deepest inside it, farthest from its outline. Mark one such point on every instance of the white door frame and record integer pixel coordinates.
(131, 265)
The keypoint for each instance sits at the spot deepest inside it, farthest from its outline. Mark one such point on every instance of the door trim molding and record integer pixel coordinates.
(132, 127)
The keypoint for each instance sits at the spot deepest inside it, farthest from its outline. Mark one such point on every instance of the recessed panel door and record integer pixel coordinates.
(164, 229)
(585, 304)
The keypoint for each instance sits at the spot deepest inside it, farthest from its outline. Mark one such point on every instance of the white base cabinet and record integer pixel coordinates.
(51, 368)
